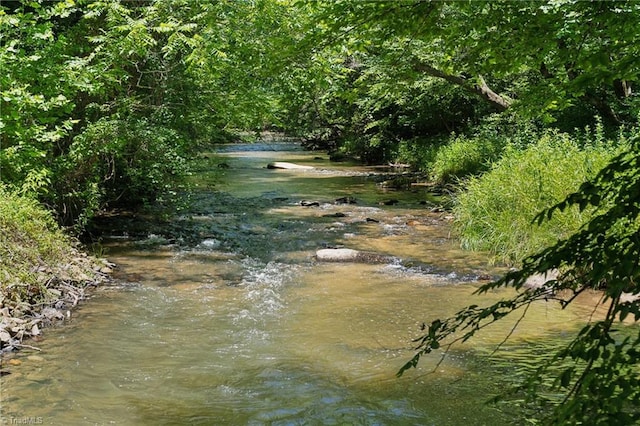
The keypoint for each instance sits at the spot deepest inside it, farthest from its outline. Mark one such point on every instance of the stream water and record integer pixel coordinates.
(229, 319)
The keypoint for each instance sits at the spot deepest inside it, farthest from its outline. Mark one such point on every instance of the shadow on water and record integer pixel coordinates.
(220, 314)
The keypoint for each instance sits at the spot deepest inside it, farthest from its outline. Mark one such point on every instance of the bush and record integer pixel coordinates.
(115, 162)
(496, 211)
(420, 153)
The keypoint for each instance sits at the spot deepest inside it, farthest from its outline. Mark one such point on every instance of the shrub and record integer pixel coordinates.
(115, 162)
(420, 153)
(496, 211)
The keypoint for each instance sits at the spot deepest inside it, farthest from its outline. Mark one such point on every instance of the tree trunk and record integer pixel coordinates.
(622, 88)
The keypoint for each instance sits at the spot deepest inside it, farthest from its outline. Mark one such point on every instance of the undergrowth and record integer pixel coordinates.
(496, 210)
(29, 240)
(464, 155)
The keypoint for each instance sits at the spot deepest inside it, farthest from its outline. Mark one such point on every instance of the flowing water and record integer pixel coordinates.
(223, 316)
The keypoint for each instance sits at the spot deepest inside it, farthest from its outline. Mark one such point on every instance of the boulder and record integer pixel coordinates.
(287, 166)
(337, 255)
(540, 280)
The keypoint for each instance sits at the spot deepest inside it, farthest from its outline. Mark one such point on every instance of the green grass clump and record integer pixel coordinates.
(496, 211)
(464, 156)
(470, 154)
(29, 240)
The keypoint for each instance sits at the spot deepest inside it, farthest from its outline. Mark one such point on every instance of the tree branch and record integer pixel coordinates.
(481, 88)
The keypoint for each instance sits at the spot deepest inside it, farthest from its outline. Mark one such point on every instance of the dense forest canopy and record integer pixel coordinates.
(103, 102)
(93, 93)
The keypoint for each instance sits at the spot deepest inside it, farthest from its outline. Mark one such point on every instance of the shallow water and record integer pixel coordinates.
(242, 326)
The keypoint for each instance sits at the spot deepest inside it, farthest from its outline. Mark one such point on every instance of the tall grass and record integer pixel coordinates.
(496, 211)
(467, 155)
(464, 156)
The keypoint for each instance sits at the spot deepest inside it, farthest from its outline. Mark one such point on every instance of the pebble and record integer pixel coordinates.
(14, 361)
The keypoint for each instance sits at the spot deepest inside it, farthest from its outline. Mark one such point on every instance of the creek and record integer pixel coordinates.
(229, 318)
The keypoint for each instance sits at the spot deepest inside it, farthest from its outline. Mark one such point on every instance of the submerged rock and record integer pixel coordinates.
(337, 214)
(346, 200)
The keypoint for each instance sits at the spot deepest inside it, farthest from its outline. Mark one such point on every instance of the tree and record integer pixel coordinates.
(75, 81)
(103, 101)
(37, 90)
(537, 59)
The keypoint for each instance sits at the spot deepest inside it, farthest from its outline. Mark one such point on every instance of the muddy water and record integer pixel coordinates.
(233, 321)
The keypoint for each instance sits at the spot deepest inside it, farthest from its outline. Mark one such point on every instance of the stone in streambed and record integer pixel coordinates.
(349, 255)
(287, 166)
(337, 214)
(537, 281)
(337, 255)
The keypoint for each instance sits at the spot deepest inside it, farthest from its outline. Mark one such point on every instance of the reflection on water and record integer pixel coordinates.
(244, 327)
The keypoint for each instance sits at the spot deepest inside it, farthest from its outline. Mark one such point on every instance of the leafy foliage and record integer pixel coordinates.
(102, 102)
(379, 74)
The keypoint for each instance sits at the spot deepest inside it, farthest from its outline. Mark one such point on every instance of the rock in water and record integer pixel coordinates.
(337, 214)
(337, 255)
(287, 166)
(350, 255)
(346, 200)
